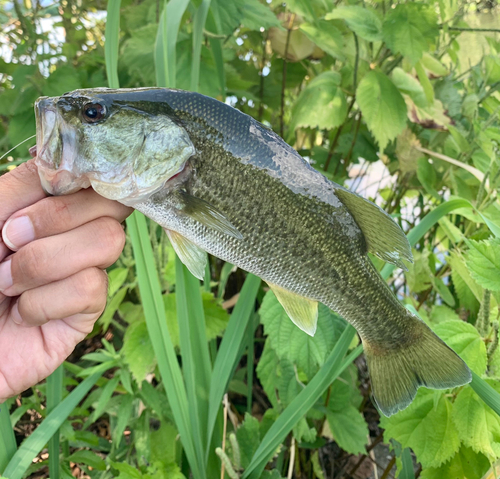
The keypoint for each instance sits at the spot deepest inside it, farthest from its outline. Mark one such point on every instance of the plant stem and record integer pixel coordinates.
(283, 83)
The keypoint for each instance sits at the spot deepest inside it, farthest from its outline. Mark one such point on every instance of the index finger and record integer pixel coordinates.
(18, 189)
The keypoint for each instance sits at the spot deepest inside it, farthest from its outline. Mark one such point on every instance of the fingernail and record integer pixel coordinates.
(5, 275)
(18, 232)
(14, 314)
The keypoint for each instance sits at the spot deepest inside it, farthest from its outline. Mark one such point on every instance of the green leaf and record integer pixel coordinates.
(326, 37)
(138, 54)
(349, 429)
(291, 343)
(257, 16)
(164, 444)
(248, 436)
(466, 464)
(88, 458)
(441, 313)
(410, 86)
(426, 427)
(411, 29)
(138, 351)
(433, 65)
(464, 339)
(116, 278)
(362, 21)
(303, 433)
(383, 107)
(483, 261)
(64, 78)
(477, 424)
(321, 104)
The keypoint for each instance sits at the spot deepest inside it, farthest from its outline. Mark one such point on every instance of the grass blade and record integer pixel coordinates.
(54, 397)
(213, 24)
(112, 33)
(7, 438)
(196, 363)
(407, 471)
(230, 347)
(426, 224)
(154, 311)
(486, 392)
(28, 450)
(334, 365)
(166, 41)
(200, 17)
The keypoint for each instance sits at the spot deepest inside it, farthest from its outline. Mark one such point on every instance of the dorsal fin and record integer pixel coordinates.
(302, 311)
(193, 257)
(384, 238)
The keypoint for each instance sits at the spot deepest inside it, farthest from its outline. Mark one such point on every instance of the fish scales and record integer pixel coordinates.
(301, 243)
(219, 181)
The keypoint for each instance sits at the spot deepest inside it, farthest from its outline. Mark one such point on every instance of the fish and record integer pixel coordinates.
(218, 181)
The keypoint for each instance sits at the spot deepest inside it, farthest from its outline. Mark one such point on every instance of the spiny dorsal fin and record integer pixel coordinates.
(191, 255)
(383, 236)
(302, 311)
(206, 214)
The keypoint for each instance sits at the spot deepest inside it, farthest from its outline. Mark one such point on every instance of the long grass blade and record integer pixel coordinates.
(230, 347)
(426, 224)
(29, 449)
(334, 365)
(213, 24)
(7, 438)
(149, 286)
(154, 311)
(54, 397)
(200, 17)
(196, 363)
(407, 471)
(112, 33)
(166, 41)
(486, 392)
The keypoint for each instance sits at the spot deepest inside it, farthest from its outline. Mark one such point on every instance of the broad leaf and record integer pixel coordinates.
(326, 37)
(138, 351)
(426, 427)
(291, 343)
(466, 464)
(464, 339)
(483, 261)
(257, 16)
(383, 107)
(321, 104)
(362, 21)
(349, 429)
(410, 29)
(477, 424)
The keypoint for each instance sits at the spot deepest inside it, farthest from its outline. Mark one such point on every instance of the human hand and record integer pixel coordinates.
(53, 286)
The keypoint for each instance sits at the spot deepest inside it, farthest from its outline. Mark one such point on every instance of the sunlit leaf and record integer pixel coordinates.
(361, 20)
(383, 107)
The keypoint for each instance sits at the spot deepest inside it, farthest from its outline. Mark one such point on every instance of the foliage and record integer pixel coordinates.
(353, 86)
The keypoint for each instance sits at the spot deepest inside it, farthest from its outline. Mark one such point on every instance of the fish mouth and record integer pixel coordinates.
(56, 151)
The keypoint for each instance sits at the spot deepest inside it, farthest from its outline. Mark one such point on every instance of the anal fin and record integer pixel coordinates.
(302, 311)
(191, 255)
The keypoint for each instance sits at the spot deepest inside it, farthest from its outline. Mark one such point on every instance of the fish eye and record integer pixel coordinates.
(93, 112)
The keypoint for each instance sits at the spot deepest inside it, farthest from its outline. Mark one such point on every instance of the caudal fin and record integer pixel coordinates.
(397, 373)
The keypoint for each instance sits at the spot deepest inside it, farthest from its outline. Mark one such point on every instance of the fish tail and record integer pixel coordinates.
(397, 371)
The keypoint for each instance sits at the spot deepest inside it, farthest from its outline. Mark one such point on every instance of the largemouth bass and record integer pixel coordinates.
(220, 182)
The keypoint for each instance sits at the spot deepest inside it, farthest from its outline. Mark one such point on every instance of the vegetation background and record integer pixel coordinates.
(385, 97)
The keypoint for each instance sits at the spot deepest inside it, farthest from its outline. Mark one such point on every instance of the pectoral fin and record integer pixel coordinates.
(302, 311)
(191, 255)
(206, 214)
(384, 237)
